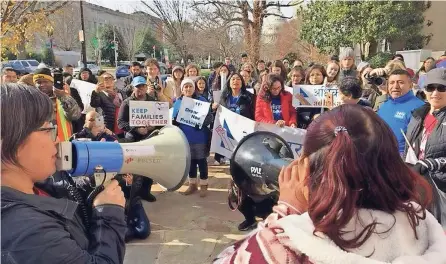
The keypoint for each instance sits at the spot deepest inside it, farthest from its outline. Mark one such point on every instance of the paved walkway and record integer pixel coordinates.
(188, 229)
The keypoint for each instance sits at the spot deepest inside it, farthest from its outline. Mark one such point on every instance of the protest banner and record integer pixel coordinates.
(84, 89)
(193, 112)
(145, 113)
(293, 136)
(229, 129)
(216, 95)
(251, 90)
(170, 115)
(316, 96)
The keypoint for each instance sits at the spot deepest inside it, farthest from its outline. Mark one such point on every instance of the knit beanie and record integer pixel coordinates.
(177, 68)
(185, 81)
(42, 73)
(347, 52)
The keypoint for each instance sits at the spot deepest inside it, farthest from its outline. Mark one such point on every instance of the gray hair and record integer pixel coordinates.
(24, 109)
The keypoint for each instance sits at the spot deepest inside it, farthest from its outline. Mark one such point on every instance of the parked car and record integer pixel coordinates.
(92, 66)
(122, 71)
(17, 66)
(30, 65)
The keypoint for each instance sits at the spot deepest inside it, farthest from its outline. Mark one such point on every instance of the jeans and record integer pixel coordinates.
(202, 166)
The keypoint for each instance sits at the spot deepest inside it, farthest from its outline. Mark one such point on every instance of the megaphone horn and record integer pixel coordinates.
(164, 157)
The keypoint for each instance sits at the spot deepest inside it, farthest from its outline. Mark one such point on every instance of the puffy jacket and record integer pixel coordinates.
(264, 113)
(42, 229)
(436, 143)
(105, 102)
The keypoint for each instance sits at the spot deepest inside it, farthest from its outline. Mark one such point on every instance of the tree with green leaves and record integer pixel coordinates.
(144, 41)
(332, 24)
(108, 45)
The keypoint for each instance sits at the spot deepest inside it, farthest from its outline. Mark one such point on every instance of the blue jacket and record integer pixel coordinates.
(194, 135)
(397, 113)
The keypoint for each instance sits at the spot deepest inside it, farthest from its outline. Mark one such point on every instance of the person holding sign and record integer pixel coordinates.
(274, 103)
(198, 140)
(134, 134)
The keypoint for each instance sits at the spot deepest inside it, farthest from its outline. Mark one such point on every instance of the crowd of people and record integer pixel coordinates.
(360, 167)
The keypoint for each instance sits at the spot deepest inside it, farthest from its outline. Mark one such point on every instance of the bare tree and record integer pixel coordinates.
(129, 36)
(175, 25)
(66, 24)
(247, 14)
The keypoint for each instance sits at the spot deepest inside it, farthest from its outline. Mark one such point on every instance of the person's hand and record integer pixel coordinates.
(108, 131)
(293, 125)
(128, 179)
(280, 123)
(214, 106)
(112, 194)
(99, 87)
(62, 92)
(377, 72)
(142, 130)
(292, 184)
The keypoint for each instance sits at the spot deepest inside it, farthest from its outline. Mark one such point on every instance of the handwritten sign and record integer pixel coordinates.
(316, 96)
(144, 113)
(193, 112)
(84, 89)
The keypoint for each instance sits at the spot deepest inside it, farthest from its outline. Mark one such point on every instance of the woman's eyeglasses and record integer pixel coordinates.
(432, 87)
(52, 129)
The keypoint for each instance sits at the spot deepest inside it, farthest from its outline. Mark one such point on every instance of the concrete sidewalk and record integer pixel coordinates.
(188, 229)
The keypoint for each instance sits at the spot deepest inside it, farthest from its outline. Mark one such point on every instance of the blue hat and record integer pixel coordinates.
(138, 80)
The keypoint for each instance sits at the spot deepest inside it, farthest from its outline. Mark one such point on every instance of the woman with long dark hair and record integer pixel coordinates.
(274, 104)
(349, 198)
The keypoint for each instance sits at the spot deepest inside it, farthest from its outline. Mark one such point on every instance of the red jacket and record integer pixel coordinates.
(264, 113)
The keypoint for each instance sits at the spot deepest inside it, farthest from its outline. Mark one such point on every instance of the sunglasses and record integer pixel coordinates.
(432, 87)
(52, 128)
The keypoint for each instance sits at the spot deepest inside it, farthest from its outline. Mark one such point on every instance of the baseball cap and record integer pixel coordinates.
(436, 76)
(138, 80)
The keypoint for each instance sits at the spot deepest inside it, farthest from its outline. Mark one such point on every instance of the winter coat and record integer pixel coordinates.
(105, 102)
(264, 113)
(287, 237)
(246, 103)
(436, 143)
(42, 229)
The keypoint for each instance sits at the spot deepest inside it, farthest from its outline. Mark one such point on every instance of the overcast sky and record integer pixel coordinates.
(129, 6)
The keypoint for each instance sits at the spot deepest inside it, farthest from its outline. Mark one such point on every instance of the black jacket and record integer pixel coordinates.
(436, 143)
(41, 229)
(246, 103)
(105, 102)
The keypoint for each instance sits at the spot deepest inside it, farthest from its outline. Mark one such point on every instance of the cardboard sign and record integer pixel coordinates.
(84, 89)
(144, 113)
(193, 112)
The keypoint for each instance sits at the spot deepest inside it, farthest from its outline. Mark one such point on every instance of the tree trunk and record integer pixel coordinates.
(246, 28)
(21, 47)
(256, 26)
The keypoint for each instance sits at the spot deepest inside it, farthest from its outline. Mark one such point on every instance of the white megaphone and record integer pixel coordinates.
(165, 158)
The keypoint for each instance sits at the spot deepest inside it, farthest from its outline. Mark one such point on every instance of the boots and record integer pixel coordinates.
(192, 187)
(203, 188)
(146, 188)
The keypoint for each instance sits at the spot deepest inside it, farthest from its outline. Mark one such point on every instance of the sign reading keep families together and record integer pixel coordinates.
(144, 113)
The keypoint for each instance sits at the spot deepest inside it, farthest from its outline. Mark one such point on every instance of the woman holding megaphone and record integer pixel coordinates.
(349, 198)
(40, 224)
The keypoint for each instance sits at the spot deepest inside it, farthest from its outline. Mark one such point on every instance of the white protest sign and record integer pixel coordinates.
(84, 89)
(229, 129)
(170, 115)
(193, 112)
(316, 96)
(293, 136)
(144, 113)
(251, 90)
(289, 89)
(216, 95)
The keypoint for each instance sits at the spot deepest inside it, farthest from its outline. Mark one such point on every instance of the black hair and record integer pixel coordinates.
(260, 61)
(398, 56)
(69, 66)
(351, 86)
(23, 110)
(216, 65)
(10, 69)
(135, 63)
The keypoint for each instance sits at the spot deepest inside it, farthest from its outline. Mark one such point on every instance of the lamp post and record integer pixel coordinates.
(82, 36)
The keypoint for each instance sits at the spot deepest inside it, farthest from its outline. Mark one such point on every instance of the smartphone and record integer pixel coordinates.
(100, 79)
(58, 80)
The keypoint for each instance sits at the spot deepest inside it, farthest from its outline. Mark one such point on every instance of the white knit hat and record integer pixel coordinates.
(187, 80)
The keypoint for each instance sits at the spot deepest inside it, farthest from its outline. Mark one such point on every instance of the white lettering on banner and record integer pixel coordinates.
(193, 112)
(84, 89)
(316, 96)
(145, 113)
(230, 128)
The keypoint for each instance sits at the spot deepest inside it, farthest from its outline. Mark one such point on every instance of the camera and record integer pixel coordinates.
(375, 80)
(155, 84)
